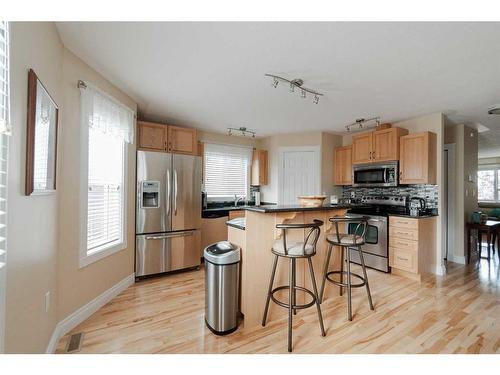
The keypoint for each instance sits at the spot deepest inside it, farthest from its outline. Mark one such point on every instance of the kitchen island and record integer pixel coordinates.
(257, 235)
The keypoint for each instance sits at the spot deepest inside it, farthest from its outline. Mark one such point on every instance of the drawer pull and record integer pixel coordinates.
(400, 258)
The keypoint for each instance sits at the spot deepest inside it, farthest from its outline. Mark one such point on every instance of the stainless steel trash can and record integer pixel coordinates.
(222, 278)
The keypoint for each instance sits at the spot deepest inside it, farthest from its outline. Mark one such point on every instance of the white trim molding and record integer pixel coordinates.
(84, 312)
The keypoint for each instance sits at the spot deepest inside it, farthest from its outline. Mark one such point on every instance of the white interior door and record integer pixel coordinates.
(299, 173)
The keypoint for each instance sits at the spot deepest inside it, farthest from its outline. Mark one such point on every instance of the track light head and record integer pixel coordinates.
(316, 99)
(275, 83)
(303, 93)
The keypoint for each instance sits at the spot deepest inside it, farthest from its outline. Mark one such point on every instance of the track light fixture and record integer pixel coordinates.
(241, 131)
(362, 123)
(297, 82)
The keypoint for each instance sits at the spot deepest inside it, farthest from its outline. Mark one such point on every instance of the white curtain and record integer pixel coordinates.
(4, 78)
(102, 112)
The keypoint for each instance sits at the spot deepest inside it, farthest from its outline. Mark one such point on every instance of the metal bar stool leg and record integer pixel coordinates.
(349, 305)
(313, 280)
(341, 288)
(294, 283)
(290, 305)
(271, 282)
(325, 271)
(366, 277)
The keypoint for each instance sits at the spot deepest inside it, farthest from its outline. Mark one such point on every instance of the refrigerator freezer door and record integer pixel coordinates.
(154, 166)
(186, 192)
(164, 252)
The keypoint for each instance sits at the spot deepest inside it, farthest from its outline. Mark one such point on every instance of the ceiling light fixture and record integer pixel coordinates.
(494, 110)
(297, 82)
(241, 132)
(362, 123)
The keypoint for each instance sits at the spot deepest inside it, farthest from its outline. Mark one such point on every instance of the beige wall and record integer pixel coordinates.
(78, 286)
(44, 230)
(228, 139)
(32, 221)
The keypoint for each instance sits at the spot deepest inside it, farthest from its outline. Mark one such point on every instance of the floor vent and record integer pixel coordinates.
(74, 343)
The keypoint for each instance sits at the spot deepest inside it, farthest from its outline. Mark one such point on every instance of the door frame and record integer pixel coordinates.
(450, 195)
(317, 160)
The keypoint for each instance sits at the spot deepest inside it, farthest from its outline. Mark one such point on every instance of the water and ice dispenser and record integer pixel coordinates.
(150, 194)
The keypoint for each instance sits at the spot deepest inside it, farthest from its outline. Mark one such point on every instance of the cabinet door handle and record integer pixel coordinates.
(401, 258)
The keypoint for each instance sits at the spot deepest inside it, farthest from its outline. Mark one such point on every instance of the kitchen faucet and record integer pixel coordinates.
(237, 199)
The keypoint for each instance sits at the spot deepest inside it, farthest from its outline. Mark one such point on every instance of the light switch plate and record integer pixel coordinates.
(47, 301)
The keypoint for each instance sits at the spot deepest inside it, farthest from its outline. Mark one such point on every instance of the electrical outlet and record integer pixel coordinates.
(47, 301)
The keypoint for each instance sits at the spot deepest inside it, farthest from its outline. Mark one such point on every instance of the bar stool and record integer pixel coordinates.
(293, 251)
(346, 241)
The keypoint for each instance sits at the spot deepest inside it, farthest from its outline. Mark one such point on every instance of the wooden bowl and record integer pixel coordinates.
(311, 200)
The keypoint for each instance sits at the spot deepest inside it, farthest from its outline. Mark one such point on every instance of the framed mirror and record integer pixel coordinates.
(41, 139)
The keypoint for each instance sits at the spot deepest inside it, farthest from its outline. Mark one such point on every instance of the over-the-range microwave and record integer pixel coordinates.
(375, 174)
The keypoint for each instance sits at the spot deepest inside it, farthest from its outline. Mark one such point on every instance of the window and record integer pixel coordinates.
(105, 191)
(107, 127)
(488, 181)
(227, 171)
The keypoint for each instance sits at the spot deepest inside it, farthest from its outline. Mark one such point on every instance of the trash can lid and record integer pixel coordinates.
(223, 252)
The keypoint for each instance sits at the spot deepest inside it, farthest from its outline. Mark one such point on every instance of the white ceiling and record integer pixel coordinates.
(211, 75)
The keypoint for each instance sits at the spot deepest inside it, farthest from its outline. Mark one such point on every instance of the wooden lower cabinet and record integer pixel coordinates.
(412, 246)
(236, 213)
(213, 230)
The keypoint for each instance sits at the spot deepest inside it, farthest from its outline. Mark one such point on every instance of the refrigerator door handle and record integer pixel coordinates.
(167, 192)
(170, 235)
(175, 191)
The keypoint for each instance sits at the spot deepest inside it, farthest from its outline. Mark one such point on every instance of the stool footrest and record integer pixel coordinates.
(296, 307)
(359, 285)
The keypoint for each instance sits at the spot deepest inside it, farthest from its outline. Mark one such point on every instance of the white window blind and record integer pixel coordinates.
(227, 170)
(4, 77)
(105, 192)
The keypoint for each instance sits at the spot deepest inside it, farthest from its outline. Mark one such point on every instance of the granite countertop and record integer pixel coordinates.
(238, 223)
(296, 207)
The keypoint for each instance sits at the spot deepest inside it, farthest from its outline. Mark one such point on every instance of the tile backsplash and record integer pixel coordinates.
(428, 192)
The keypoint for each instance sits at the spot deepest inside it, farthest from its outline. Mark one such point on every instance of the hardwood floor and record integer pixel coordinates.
(458, 313)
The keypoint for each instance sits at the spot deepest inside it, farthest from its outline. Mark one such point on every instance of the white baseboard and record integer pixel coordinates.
(440, 270)
(84, 312)
(457, 259)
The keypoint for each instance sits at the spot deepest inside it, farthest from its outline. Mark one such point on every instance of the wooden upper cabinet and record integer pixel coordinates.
(377, 146)
(182, 140)
(152, 136)
(259, 168)
(167, 138)
(342, 166)
(418, 159)
(362, 148)
(386, 144)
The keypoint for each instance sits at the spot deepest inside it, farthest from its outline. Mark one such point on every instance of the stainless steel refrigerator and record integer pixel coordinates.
(168, 212)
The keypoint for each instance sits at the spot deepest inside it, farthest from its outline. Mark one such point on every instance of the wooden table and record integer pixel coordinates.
(490, 228)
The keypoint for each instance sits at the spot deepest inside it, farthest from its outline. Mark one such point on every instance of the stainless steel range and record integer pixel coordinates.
(378, 208)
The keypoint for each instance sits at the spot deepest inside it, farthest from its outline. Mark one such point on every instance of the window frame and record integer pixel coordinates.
(496, 169)
(226, 198)
(86, 258)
